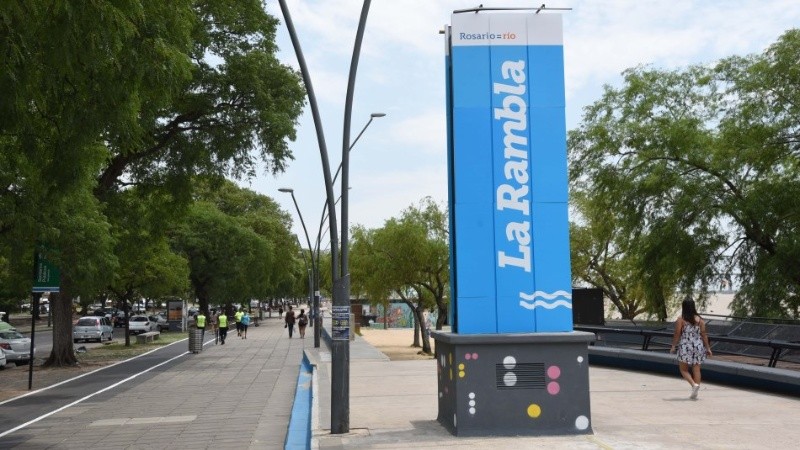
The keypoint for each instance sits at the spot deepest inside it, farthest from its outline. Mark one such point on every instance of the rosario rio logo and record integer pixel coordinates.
(541, 299)
(487, 36)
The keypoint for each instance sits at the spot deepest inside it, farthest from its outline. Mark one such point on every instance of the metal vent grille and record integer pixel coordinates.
(520, 376)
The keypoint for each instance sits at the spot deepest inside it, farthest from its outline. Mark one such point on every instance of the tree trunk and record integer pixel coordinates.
(441, 315)
(416, 329)
(63, 352)
(127, 310)
(426, 342)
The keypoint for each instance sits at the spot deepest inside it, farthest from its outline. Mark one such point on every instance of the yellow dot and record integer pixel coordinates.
(461, 374)
(461, 366)
(534, 410)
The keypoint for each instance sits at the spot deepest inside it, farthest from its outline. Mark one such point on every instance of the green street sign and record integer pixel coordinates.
(46, 276)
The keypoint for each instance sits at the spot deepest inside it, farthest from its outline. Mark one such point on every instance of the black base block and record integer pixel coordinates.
(531, 384)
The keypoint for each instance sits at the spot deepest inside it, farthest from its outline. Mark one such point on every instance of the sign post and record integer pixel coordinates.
(46, 278)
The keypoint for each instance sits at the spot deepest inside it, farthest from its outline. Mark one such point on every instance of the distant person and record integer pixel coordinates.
(222, 319)
(280, 311)
(213, 322)
(289, 319)
(200, 322)
(245, 324)
(237, 316)
(302, 322)
(693, 347)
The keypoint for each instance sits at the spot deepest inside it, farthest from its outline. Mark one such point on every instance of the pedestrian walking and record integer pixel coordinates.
(302, 321)
(237, 316)
(245, 324)
(692, 344)
(213, 323)
(280, 312)
(223, 327)
(289, 319)
(200, 323)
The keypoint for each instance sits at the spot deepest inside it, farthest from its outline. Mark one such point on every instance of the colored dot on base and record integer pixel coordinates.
(534, 410)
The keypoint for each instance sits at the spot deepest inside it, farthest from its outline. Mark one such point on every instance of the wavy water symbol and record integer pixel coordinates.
(529, 301)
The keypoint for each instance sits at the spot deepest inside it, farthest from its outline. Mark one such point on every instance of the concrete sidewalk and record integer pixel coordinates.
(393, 404)
(237, 395)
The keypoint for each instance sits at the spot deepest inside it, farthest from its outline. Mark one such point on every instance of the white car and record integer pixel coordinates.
(2, 359)
(158, 322)
(92, 327)
(15, 347)
(139, 324)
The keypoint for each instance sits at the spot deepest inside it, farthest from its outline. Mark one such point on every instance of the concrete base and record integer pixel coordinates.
(532, 384)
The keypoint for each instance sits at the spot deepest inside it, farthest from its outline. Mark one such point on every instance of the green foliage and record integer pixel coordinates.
(237, 243)
(407, 257)
(98, 96)
(689, 175)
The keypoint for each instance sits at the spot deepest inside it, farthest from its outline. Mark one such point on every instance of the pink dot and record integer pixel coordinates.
(474, 356)
(553, 388)
(553, 372)
(468, 356)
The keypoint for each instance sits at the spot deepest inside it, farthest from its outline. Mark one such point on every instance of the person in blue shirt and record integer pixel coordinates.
(245, 323)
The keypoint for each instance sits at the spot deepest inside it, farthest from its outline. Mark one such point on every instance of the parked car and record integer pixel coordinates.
(3, 324)
(119, 319)
(92, 327)
(139, 324)
(2, 359)
(158, 322)
(15, 347)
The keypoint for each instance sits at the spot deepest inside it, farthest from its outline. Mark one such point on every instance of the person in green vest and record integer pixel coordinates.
(238, 317)
(200, 322)
(222, 320)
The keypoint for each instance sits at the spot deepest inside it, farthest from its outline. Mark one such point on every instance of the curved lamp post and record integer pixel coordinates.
(314, 269)
(340, 345)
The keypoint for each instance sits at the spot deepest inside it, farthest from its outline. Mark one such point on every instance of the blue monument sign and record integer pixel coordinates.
(512, 364)
(508, 174)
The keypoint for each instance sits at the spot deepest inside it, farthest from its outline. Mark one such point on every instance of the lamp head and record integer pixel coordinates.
(377, 114)
(285, 189)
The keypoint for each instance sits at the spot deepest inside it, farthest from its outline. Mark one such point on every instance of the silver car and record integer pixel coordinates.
(15, 346)
(91, 328)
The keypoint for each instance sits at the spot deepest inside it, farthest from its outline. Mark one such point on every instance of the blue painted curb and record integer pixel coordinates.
(298, 435)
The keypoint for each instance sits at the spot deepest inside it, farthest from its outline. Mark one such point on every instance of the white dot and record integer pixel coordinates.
(443, 361)
(472, 403)
(440, 395)
(582, 422)
(471, 395)
(455, 422)
(580, 359)
(509, 362)
(510, 379)
(472, 411)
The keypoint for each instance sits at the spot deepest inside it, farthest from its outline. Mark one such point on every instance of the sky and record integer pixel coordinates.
(401, 158)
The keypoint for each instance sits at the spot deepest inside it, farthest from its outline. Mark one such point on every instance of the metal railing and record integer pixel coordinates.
(778, 347)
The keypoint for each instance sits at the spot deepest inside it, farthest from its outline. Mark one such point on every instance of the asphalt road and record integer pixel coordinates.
(21, 410)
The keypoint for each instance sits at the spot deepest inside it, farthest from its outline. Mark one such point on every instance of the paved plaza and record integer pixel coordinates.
(240, 396)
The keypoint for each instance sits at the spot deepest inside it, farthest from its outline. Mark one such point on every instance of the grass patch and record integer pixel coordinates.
(113, 352)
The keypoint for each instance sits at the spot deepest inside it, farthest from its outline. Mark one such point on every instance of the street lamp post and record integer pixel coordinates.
(340, 347)
(314, 270)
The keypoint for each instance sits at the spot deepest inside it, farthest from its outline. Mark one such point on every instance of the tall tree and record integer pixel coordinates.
(147, 265)
(698, 167)
(145, 93)
(408, 258)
